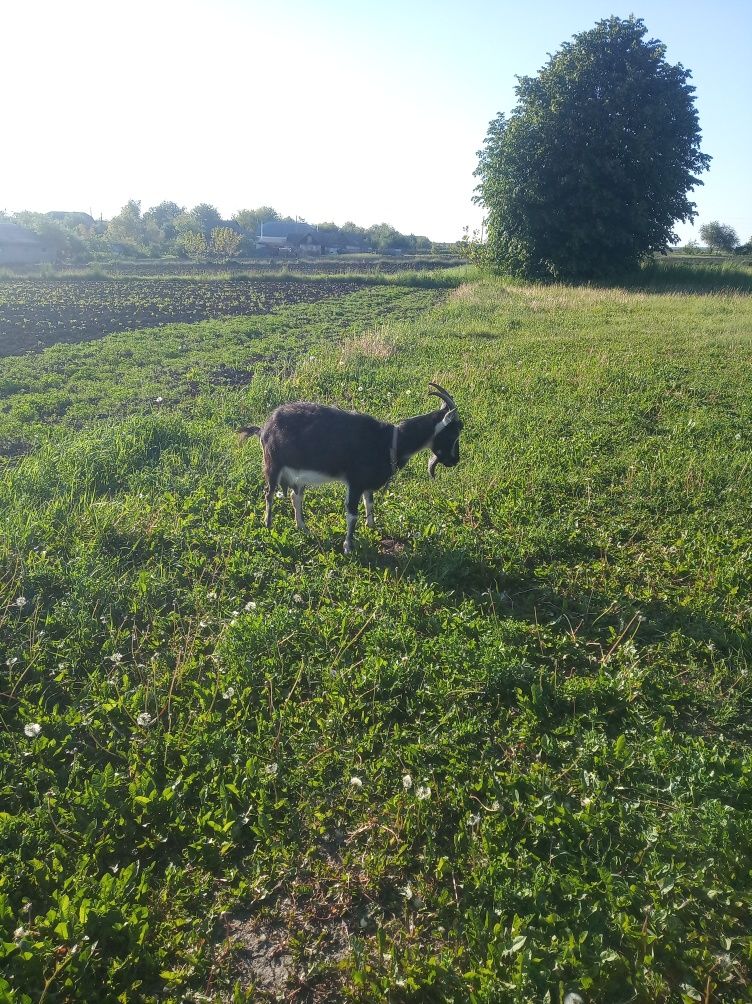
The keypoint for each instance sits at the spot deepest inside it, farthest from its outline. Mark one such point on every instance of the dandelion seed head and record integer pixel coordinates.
(271, 769)
(20, 601)
(407, 782)
(144, 720)
(423, 792)
(32, 730)
(356, 782)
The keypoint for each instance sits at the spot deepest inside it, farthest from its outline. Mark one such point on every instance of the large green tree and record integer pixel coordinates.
(591, 170)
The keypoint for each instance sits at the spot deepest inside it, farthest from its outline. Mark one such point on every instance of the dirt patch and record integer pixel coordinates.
(231, 376)
(390, 546)
(291, 949)
(13, 448)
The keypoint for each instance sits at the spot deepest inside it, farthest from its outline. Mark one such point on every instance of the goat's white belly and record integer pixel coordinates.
(298, 478)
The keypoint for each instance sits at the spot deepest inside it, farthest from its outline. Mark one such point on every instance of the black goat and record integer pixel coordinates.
(307, 444)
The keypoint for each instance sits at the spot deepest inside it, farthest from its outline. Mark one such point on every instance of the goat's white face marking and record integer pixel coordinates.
(298, 478)
(449, 417)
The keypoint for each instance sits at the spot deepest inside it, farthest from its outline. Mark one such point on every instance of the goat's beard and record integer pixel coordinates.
(432, 464)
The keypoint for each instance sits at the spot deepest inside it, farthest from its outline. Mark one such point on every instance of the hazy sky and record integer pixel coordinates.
(363, 110)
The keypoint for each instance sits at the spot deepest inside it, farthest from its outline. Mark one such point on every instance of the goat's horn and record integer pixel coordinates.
(444, 395)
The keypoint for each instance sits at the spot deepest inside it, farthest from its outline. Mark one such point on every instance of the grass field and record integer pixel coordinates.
(502, 752)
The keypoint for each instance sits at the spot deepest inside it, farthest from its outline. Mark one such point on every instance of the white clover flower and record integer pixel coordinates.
(356, 782)
(12, 661)
(250, 605)
(407, 892)
(116, 657)
(32, 730)
(19, 933)
(298, 598)
(211, 596)
(203, 624)
(230, 692)
(738, 435)
(473, 819)
(407, 782)
(423, 792)
(144, 720)
(20, 601)
(159, 400)
(271, 769)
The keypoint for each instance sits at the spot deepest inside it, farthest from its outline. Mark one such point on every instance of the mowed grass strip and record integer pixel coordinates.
(502, 752)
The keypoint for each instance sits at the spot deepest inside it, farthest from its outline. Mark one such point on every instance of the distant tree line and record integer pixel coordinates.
(170, 230)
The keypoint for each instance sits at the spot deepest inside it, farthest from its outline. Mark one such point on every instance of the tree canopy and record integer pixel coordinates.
(592, 169)
(719, 235)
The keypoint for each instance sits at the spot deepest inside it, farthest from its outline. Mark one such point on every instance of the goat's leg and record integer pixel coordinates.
(297, 504)
(351, 507)
(272, 479)
(269, 496)
(368, 499)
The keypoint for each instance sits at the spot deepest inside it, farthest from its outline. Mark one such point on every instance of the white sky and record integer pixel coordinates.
(363, 110)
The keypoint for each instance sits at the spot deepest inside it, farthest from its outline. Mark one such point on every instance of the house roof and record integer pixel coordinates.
(63, 216)
(12, 233)
(278, 228)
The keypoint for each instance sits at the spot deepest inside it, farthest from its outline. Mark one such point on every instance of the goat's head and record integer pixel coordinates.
(445, 444)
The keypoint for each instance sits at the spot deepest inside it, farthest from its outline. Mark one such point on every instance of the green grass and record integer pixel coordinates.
(537, 667)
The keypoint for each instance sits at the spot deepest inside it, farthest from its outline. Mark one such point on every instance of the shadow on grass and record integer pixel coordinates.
(518, 589)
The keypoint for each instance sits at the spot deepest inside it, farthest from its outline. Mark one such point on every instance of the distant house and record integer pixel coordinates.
(20, 246)
(278, 234)
(306, 239)
(71, 219)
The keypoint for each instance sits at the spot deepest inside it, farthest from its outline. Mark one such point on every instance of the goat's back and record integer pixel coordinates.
(340, 444)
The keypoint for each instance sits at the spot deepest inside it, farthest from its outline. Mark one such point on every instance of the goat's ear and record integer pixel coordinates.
(449, 416)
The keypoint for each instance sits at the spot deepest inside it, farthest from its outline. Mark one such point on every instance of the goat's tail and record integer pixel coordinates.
(246, 433)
